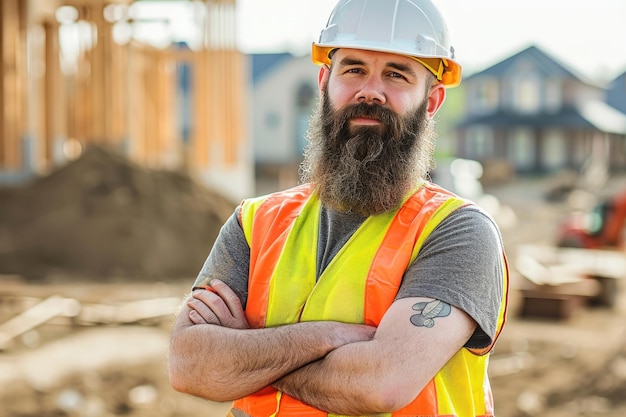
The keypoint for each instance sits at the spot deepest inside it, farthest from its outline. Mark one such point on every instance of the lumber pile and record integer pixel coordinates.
(558, 281)
(75, 311)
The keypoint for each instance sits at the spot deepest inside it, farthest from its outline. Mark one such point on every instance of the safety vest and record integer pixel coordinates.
(283, 227)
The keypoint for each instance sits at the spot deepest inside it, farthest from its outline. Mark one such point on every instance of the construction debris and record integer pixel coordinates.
(86, 314)
(558, 281)
(42, 312)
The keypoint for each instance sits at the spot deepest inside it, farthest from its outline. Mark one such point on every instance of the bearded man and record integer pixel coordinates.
(367, 289)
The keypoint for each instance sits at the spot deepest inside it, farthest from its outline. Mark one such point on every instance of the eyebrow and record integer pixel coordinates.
(347, 61)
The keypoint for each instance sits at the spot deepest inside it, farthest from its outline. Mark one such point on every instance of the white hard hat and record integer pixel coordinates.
(414, 28)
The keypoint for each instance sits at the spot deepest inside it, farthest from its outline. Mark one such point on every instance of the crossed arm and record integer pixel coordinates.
(341, 368)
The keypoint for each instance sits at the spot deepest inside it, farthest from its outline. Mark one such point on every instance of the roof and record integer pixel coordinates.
(604, 117)
(544, 63)
(565, 118)
(262, 63)
(616, 93)
(594, 115)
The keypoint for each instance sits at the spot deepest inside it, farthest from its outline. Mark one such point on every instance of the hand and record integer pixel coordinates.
(217, 304)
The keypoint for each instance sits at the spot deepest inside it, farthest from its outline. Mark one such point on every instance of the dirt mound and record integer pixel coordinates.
(104, 217)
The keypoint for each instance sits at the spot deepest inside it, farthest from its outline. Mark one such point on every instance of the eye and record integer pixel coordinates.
(397, 75)
(354, 71)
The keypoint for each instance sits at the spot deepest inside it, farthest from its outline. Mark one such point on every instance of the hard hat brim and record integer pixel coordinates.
(451, 76)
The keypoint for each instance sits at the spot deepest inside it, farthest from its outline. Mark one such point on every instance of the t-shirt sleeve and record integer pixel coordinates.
(461, 264)
(229, 260)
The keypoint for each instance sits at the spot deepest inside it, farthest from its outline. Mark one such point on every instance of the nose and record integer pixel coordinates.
(371, 92)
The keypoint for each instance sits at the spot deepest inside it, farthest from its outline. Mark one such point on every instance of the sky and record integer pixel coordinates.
(588, 36)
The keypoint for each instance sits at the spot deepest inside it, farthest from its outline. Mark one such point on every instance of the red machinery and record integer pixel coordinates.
(603, 227)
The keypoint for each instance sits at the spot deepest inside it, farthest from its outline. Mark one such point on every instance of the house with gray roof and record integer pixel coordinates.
(537, 116)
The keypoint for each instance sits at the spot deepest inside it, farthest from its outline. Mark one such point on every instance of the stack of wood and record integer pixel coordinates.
(558, 281)
(37, 307)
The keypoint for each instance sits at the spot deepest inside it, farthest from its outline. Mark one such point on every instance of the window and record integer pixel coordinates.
(479, 142)
(554, 151)
(554, 96)
(526, 97)
(485, 96)
(522, 149)
(272, 120)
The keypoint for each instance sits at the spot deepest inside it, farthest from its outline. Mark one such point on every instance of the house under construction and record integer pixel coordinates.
(74, 73)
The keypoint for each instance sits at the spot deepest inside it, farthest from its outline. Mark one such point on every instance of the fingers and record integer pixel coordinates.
(230, 298)
(196, 318)
(217, 305)
(210, 306)
(201, 312)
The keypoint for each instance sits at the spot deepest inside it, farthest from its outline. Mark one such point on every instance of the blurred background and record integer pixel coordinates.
(129, 131)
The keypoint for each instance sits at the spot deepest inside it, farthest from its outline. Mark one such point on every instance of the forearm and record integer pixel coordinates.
(348, 381)
(387, 372)
(224, 364)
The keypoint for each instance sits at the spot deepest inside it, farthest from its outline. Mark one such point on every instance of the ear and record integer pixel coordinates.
(436, 97)
(322, 77)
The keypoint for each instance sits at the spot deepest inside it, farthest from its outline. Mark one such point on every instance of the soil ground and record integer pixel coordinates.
(70, 366)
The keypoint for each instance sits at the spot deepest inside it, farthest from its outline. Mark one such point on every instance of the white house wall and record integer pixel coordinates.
(274, 109)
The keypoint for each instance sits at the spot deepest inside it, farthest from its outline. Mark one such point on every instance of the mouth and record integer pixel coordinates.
(364, 121)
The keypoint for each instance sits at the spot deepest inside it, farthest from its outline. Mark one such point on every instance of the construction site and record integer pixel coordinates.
(109, 207)
(89, 289)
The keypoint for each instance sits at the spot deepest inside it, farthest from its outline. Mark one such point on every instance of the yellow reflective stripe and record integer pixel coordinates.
(279, 395)
(438, 216)
(246, 213)
(289, 291)
(461, 385)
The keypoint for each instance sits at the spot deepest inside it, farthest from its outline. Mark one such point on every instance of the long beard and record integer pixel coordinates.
(367, 170)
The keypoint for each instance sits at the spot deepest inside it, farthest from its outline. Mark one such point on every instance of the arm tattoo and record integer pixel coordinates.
(428, 311)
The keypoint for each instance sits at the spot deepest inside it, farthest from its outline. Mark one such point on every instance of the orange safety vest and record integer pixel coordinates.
(283, 226)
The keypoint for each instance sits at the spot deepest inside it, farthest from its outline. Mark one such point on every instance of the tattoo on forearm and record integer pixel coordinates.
(428, 311)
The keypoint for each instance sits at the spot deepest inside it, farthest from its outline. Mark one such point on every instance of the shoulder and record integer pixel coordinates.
(470, 232)
(458, 214)
(467, 236)
(472, 220)
(431, 198)
(260, 213)
(295, 195)
(300, 191)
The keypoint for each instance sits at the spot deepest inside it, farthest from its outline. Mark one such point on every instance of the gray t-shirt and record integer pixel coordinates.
(460, 263)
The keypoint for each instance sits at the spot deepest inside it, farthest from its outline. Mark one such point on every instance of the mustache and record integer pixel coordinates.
(371, 111)
(393, 127)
